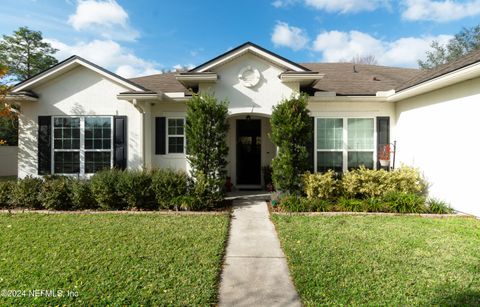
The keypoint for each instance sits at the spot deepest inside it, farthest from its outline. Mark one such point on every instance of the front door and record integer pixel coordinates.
(249, 152)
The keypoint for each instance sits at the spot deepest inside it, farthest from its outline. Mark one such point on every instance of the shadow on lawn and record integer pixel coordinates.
(466, 298)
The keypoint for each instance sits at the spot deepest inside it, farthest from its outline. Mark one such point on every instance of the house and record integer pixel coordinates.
(77, 118)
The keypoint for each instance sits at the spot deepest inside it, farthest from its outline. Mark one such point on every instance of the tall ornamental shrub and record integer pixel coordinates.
(206, 131)
(290, 133)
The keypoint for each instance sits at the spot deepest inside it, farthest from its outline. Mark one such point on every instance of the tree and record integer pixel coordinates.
(25, 53)
(465, 41)
(368, 59)
(206, 132)
(291, 131)
(8, 118)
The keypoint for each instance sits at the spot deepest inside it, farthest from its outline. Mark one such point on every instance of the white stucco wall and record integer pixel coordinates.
(77, 92)
(257, 99)
(438, 132)
(8, 160)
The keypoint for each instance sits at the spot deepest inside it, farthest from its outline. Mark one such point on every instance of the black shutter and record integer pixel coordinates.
(120, 142)
(311, 146)
(44, 145)
(383, 134)
(160, 136)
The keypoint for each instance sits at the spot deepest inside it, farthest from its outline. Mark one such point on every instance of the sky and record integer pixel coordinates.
(140, 37)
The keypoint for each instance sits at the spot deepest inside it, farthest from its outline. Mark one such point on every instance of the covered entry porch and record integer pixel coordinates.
(250, 150)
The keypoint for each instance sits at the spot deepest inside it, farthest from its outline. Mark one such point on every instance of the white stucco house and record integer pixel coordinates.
(77, 117)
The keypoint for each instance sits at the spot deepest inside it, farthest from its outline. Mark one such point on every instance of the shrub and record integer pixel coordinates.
(5, 191)
(135, 189)
(294, 203)
(319, 205)
(206, 131)
(321, 186)
(104, 189)
(186, 203)
(167, 185)
(208, 194)
(25, 193)
(291, 132)
(81, 195)
(405, 202)
(366, 183)
(55, 194)
(352, 205)
(438, 206)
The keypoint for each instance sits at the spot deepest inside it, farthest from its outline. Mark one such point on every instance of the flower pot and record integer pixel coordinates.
(384, 162)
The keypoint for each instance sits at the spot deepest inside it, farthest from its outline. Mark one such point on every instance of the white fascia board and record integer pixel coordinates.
(175, 94)
(301, 77)
(347, 99)
(252, 49)
(208, 77)
(463, 74)
(139, 96)
(19, 98)
(55, 71)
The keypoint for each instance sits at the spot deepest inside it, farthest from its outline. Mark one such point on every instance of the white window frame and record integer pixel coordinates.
(345, 150)
(82, 149)
(168, 136)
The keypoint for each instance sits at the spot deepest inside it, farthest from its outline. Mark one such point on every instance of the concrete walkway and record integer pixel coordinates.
(255, 272)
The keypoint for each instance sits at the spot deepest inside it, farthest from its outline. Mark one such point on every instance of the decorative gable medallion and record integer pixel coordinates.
(249, 76)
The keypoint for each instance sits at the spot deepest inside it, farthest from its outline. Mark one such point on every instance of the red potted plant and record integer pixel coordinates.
(384, 155)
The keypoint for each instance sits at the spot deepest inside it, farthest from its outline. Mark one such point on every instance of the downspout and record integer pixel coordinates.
(142, 130)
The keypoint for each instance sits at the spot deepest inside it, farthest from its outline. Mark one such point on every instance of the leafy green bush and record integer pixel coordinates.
(321, 186)
(25, 193)
(5, 191)
(135, 189)
(55, 194)
(438, 206)
(366, 183)
(405, 202)
(104, 189)
(352, 205)
(291, 132)
(186, 203)
(319, 205)
(209, 195)
(167, 185)
(294, 203)
(81, 195)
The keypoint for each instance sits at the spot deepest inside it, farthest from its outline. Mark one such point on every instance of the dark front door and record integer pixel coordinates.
(248, 151)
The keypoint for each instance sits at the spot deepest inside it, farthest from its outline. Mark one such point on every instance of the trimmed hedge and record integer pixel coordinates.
(109, 190)
(362, 190)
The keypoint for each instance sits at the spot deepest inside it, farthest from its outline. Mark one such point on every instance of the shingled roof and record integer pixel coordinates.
(469, 59)
(358, 79)
(342, 78)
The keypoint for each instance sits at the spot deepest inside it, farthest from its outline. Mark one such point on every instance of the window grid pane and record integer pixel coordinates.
(97, 161)
(175, 126)
(358, 158)
(175, 144)
(98, 133)
(329, 161)
(66, 133)
(330, 133)
(67, 162)
(360, 133)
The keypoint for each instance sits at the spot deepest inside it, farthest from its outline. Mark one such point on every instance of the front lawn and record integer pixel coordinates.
(379, 260)
(115, 259)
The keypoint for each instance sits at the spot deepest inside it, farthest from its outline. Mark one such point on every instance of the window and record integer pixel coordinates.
(82, 145)
(176, 135)
(344, 143)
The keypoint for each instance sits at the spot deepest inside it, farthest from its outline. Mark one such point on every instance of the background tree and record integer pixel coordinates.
(8, 118)
(291, 132)
(465, 41)
(25, 54)
(368, 59)
(206, 132)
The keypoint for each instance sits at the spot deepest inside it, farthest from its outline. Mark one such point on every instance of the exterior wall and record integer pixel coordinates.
(173, 161)
(77, 92)
(8, 160)
(438, 132)
(258, 99)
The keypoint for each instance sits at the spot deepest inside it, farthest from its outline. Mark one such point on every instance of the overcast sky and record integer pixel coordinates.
(140, 37)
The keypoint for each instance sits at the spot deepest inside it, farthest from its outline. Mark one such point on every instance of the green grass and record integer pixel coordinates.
(115, 259)
(372, 260)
